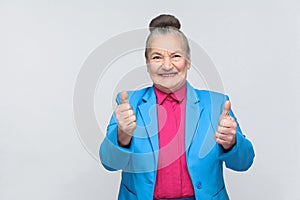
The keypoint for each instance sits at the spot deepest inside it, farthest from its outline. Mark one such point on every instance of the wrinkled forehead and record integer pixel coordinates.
(170, 43)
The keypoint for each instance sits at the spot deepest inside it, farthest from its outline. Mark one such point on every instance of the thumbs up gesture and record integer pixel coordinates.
(126, 120)
(226, 131)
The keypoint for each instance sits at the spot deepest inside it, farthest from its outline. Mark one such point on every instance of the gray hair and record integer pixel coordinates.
(168, 30)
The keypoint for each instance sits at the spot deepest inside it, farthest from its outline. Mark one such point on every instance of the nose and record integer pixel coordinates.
(167, 63)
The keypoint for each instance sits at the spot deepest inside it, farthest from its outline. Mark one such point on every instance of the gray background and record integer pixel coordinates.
(255, 46)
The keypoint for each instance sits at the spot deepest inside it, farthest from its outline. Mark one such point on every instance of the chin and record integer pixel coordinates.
(167, 88)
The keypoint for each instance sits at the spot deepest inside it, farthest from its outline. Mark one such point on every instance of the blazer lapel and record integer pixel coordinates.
(208, 123)
(193, 113)
(148, 112)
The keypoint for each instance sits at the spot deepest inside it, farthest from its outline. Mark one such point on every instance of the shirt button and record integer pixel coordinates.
(199, 185)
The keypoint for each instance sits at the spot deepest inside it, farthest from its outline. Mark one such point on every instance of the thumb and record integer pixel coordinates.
(124, 97)
(227, 107)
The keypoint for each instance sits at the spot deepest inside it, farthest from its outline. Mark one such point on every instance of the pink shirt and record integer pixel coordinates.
(173, 179)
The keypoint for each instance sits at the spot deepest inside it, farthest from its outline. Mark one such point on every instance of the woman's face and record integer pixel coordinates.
(167, 63)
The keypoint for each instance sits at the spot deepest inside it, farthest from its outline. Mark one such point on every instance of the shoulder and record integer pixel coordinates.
(204, 94)
(207, 95)
(135, 96)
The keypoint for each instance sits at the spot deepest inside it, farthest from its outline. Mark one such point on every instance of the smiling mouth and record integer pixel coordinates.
(168, 74)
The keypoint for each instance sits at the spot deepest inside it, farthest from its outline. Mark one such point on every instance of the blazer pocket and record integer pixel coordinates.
(221, 195)
(126, 193)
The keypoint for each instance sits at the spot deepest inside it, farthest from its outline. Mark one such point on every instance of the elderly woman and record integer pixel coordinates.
(156, 133)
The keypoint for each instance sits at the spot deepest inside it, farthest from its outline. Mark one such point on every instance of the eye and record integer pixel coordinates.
(177, 56)
(156, 57)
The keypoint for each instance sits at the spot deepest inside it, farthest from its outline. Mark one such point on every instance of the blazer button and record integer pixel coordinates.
(199, 185)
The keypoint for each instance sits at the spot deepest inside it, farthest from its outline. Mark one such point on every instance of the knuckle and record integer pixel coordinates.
(131, 119)
(132, 113)
(134, 125)
(134, 118)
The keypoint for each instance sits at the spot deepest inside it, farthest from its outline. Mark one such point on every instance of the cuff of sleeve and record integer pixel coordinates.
(112, 154)
(234, 149)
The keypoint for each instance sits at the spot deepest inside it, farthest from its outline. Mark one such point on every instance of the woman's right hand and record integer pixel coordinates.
(126, 120)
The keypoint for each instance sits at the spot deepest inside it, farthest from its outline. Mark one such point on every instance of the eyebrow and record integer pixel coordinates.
(172, 53)
(177, 51)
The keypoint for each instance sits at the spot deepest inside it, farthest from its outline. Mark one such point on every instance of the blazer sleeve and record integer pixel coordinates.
(112, 155)
(241, 156)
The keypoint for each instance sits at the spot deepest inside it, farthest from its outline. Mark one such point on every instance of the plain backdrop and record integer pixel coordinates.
(255, 46)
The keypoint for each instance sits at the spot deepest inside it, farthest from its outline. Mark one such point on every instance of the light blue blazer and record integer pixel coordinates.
(204, 156)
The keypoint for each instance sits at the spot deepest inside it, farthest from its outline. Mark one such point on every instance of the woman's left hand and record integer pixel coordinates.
(226, 131)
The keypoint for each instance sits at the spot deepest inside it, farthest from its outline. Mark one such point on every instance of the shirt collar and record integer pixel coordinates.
(179, 95)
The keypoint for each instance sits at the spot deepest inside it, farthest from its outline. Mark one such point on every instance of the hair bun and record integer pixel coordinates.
(163, 21)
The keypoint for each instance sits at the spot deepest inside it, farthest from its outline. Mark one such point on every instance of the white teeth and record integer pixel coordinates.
(167, 75)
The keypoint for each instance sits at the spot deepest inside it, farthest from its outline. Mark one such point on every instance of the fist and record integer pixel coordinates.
(226, 131)
(126, 120)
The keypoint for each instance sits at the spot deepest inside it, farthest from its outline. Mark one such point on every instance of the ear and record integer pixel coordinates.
(147, 65)
(188, 63)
